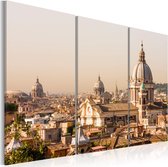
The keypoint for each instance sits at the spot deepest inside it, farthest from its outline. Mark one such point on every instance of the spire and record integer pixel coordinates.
(37, 81)
(99, 77)
(116, 92)
(116, 89)
(142, 54)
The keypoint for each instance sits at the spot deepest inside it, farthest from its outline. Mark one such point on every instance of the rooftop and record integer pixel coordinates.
(117, 107)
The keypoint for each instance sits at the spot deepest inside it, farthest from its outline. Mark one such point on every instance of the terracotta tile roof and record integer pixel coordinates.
(117, 107)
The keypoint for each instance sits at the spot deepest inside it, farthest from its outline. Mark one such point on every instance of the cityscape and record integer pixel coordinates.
(46, 118)
(40, 125)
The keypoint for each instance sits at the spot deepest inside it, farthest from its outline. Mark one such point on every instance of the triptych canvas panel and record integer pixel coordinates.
(76, 85)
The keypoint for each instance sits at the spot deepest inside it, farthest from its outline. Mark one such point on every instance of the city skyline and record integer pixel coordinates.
(103, 50)
(49, 61)
(40, 51)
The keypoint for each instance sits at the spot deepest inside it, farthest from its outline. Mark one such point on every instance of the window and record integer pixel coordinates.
(108, 119)
(50, 137)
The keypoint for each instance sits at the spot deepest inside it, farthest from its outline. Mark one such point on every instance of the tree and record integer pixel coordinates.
(7, 130)
(17, 129)
(11, 107)
(22, 154)
(25, 153)
(27, 129)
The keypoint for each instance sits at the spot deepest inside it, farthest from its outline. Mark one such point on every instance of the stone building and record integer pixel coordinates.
(142, 75)
(142, 92)
(16, 97)
(100, 95)
(99, 87)
(99, 115)
(37, 90)
(50, 134)
(25, 107)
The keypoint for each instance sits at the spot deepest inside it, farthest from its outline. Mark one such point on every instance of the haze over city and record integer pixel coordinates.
(46, 50)
(39, 43)
(42, 118)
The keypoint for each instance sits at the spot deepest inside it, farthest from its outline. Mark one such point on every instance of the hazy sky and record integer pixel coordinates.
(103, 50)
(155, 47)
(39, 43)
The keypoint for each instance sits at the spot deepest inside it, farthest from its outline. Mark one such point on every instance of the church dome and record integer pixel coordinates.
(37, 89)
(142, 71)
(37, 86)
(99, 87)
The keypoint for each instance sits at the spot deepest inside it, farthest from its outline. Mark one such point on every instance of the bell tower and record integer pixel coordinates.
(142, 103)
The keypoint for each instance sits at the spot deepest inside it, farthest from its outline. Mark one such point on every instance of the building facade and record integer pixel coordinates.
(141, 77)
(100, 115)
(37, 90)
(98, 87)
